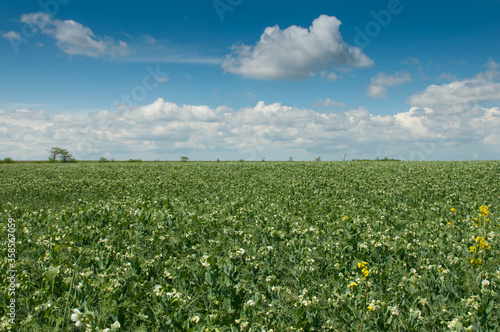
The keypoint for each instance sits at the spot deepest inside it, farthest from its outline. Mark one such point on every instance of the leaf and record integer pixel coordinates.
(226, 304)
(452, 289)
(411, 289)
(52, 273)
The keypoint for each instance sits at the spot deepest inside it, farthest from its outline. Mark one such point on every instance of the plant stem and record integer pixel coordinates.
(364, 310)
(71, 286)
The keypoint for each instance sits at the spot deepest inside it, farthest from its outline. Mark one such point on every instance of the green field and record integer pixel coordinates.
(252, 246)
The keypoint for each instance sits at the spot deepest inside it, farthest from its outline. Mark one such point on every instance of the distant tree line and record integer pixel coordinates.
(63, 155)
(377, 159)
(106, 160)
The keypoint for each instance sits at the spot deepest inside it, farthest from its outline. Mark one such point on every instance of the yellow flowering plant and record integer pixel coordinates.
(364, 269)
(480, 247)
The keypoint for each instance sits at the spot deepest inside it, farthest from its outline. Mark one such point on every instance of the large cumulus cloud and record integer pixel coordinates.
(295, 53)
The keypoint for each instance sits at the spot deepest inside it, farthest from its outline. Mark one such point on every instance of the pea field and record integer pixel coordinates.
(250, 246)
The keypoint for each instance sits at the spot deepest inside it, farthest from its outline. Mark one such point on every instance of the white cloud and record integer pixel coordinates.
(379, 83)
(12, 36)
(149, 39)
(164, 129)
(295, 53)
(330, 76)
(476, 90)
(328, 103)
(447, 77)
(411, 60)
(376, 91)
(74, 38)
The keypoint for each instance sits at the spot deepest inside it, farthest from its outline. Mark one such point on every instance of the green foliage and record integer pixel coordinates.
(377, 159)
(135, 160)
(337, 246)
(184, 158)
(386, 159)
(64, 155)
(7, 160)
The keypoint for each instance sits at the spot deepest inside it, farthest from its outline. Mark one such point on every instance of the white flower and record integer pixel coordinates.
(157, 289)
(250, 303)
(204, 262)
(268, 279)
(423, 302)
(394, 311)
(451, 324)
(485, 283)
(195, 319)
(115, 325)
(75, 317)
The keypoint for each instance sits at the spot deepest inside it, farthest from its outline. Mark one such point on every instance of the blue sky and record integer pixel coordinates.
(240, 79)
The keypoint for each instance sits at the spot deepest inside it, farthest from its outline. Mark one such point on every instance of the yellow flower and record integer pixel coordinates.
(353, 284)
(370, 308)
(453, 210)
(448, 224)
(484, 210)
(364, 268)
(482, 243)
(472, 249)
(363, 265)
(345, 218)
(476, 262)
